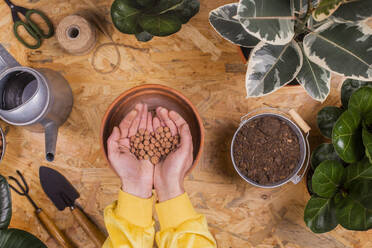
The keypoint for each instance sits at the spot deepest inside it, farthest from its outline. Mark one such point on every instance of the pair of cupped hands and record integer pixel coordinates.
(139, 177)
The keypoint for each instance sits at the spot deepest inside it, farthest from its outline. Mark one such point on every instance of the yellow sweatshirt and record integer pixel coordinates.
(130, 225)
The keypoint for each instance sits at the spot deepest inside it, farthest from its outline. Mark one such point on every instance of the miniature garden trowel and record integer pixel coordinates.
(63, 194)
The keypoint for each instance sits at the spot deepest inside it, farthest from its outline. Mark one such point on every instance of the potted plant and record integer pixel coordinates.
(299, 39)
(148, 18)
(11, 237)
(340, 178)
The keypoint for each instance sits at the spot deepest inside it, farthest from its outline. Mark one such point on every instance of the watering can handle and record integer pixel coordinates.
(6, 60)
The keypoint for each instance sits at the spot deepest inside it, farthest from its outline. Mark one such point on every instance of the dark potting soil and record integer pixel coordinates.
(266, 150)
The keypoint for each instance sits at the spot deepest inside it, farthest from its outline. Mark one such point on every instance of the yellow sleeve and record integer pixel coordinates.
(129, 222)
(181, 226)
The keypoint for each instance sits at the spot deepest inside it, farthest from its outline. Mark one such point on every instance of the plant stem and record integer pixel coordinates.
(303, 22)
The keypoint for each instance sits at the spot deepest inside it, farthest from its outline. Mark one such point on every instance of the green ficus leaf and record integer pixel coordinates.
(125, 14)
(351, 214)
(144, 36)
(327, 118)
(164, 6)
(347, 137)
(327, 178)
(361, 100)
(367, 142)
(147, 18)
(146, 3)
(349, 86)
(186, 10)
(360, 190)
(5, 204)
(320, 215)
(322, 153)
(160, 25)
(15, 238)
(358, 171)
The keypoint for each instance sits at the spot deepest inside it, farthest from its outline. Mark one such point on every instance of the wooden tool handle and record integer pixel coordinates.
(91, 229)
(53, 230)
(298, 119)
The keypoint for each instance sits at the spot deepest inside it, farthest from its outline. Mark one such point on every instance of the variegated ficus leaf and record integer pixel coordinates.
(315, 80)
(354, 11)
(344, 48)
(326, 8)
(225, 22)
(268, 20)
(271, 67)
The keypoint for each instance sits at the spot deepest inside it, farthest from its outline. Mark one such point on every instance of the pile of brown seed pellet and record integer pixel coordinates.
(154, 146)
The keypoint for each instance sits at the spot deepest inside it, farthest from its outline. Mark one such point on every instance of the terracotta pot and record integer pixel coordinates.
(154, 95)
(294, 82)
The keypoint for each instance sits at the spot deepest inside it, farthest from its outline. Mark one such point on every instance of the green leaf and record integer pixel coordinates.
(358, 171)
(164, 6)
(361, 101)
(125, 14)
(347, 137)
(327, 118)
(327, 177)
(14, 238)
(160, 25)
(187, 10)
(144, 36)
(360, 191)
(315, 79)
(271, 67)
(326, 8)
(320, 215)
(354, 11)
(225, 22)
(322, 153)
(367, 142)
(5, 204)
(146, 3)
(350, 57)
(267, 20)
(349, 86)
(352, 215)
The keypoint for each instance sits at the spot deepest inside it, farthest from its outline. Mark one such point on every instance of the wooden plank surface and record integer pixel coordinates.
(209, 71)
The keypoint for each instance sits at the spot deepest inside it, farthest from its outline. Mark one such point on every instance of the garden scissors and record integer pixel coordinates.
(30, 26)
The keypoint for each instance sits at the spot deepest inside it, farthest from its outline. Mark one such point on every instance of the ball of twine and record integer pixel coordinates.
(76, 35)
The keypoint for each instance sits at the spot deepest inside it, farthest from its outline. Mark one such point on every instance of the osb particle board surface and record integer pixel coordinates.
(209, 71)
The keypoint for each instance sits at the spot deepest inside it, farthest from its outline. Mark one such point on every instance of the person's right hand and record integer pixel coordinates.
(169, 174)
(136, 176)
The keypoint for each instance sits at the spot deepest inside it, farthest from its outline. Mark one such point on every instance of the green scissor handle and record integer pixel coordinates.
(31, 31)
(38, 30)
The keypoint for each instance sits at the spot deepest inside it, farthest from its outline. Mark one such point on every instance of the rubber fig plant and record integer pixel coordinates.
(303, 40)
(340, 178)
(11, 237)
(148, 18)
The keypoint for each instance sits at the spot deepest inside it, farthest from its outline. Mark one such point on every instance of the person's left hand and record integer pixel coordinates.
(136, 176)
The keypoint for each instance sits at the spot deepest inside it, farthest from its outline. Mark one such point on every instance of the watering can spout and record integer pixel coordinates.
(51, 133)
